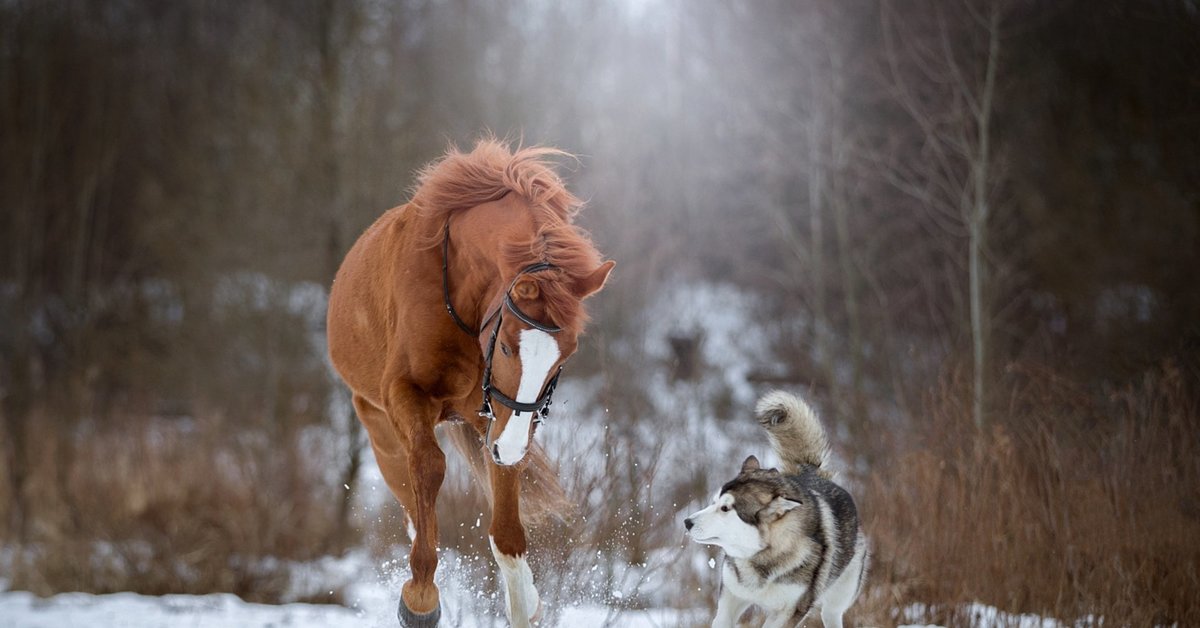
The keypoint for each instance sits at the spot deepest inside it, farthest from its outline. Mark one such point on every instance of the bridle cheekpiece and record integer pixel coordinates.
(539, 407)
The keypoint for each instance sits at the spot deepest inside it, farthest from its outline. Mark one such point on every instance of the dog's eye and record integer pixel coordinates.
(724, 508)
(505, 350)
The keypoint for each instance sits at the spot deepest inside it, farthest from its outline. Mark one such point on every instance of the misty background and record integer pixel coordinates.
(969, 231)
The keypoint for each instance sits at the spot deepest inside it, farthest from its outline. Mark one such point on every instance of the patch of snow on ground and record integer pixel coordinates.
(372, 599)
(19, 609)
(984, 616)
(373, 605)
(23, 610)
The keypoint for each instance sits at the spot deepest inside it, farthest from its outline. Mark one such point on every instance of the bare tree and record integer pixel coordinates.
(943, 74)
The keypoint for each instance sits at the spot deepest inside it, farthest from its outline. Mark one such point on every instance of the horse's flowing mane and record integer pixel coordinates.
(459, 181)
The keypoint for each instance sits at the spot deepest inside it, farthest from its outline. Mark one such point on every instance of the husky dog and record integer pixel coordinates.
(792, 539)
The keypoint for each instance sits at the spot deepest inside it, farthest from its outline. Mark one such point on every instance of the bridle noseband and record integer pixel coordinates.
(539, 407)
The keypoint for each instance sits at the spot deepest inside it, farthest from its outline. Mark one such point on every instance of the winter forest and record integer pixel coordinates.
(967, 231)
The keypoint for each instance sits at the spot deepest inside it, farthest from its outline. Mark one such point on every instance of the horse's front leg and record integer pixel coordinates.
(419, 603)
(507, 537)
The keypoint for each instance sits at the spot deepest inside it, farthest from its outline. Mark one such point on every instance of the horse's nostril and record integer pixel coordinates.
(496, 452)
(687, 523)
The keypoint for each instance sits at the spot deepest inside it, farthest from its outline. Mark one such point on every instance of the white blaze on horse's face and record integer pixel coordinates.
(538, 352)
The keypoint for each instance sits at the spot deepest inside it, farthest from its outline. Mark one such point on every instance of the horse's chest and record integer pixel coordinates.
(454, 377)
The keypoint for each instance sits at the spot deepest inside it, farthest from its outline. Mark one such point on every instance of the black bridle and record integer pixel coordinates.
(539, 407)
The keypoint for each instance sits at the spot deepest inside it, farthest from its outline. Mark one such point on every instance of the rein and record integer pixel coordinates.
(539, 407)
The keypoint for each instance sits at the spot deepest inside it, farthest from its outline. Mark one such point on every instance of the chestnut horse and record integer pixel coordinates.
(461, 306)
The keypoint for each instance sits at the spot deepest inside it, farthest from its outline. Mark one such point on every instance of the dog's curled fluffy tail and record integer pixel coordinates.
(795, 432)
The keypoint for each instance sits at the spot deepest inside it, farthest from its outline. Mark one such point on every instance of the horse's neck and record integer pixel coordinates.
(476, 239)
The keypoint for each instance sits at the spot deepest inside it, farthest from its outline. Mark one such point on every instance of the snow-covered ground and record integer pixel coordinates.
(371, 598)
(371, 606)
(374, 607)
(371, 592)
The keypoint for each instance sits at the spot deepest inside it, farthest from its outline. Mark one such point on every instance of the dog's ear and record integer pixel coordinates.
(751, 464)
(779, 507)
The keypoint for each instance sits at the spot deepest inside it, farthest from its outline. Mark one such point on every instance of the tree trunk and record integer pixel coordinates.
(816, 196)
(978, 224)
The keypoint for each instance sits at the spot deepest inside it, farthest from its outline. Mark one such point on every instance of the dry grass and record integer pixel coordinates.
(173, 508)
(1083, 511)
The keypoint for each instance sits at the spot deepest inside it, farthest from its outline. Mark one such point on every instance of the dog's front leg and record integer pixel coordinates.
(729, 608)
(785, 619)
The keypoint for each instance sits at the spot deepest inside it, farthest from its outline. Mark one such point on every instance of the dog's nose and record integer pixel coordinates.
(687, 523)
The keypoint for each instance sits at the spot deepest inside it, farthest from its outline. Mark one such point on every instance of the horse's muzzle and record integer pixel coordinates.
(500, 460)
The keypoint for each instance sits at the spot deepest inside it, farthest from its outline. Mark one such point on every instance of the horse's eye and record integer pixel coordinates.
(505, 350)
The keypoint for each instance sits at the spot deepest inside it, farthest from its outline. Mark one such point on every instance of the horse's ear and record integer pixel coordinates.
(591, 283)
(526, 289)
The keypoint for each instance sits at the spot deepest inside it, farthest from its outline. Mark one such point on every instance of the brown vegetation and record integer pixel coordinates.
(175, 507)
(1066, 506)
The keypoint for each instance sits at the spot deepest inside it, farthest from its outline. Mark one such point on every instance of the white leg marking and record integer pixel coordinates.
(538, 351)
(520, 595)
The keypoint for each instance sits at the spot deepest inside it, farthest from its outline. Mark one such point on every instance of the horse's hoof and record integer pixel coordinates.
(537, 615)
(409, 619)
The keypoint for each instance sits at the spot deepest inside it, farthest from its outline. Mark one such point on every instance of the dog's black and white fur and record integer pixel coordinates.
(792, 539)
